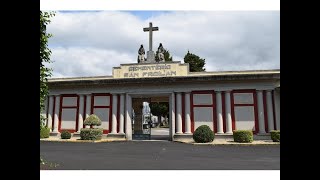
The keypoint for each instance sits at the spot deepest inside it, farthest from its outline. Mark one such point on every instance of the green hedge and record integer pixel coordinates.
(44, 132)
(243, 136)
(203, 134)
(91, 134)
(92, 120)
(65, 134)
(275, 135)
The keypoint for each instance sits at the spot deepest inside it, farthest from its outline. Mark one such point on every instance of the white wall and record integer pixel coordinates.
(202, 99)
(244, 115)
(203, 115)
(101, 100)
(68, 117)
(69, 101)
(243, 98)
(103, 114)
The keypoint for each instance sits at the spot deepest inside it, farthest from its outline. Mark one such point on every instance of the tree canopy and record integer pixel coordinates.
(45, 53)
(196, 63)
(159, 109)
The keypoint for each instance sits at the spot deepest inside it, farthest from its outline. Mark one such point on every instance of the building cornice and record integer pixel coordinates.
(218, 76)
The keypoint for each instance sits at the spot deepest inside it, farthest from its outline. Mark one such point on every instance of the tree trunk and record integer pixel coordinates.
(159, 121)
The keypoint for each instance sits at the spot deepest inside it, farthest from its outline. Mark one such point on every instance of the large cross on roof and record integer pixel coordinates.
(150, 29)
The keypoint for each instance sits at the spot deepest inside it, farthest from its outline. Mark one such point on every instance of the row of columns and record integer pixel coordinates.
(53, 114)
(261, 111)
(176, 115)
(114, 119)
(188, 111)
(219, 113)
(54, 106)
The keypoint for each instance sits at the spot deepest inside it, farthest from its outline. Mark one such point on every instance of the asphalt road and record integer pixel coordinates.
(159, 155)
(160, 134)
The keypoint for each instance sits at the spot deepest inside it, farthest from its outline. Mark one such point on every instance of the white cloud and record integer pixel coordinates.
(91, 43)
(86, 61)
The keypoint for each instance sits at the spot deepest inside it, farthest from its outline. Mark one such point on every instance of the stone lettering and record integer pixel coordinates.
(132, 75)
(157, 70)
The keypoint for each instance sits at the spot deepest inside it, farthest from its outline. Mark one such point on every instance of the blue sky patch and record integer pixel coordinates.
(143, 15)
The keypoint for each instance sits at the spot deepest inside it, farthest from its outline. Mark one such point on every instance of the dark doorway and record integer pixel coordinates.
(148, 125)
(141, 130)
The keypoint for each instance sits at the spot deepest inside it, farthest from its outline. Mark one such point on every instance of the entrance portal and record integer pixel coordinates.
(141, 128)
(150, 118)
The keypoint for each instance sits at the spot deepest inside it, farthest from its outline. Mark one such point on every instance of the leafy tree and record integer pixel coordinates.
(45, 53)
(159, 109)
(167, 56)
(196, 63)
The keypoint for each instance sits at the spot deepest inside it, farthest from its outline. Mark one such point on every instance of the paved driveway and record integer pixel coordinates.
(160, 134)
(160, 131)
(163, 155)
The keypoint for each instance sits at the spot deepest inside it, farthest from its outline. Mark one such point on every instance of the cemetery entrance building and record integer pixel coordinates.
(223, 100)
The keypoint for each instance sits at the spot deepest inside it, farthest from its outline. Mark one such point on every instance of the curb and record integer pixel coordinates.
(228, 144)
(191, 143)
(80, 141)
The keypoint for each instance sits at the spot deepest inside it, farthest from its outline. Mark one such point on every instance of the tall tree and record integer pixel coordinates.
(196, 63)
(159, 109)
(167, 56)
(45, 53)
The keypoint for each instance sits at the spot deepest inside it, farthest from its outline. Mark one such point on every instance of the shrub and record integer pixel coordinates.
(65, 135)
(243, 136)
(275, 135)
(91, 134)
(44, 132)
(92, 120)
(203, 134)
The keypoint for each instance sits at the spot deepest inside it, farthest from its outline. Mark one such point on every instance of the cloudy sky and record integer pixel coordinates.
(90, 43)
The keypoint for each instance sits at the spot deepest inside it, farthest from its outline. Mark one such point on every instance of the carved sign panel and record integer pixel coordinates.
(150, 70)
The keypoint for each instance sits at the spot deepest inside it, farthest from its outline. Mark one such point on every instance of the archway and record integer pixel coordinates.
(147, 122)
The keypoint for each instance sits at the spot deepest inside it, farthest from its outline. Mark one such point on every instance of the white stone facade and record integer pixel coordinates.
(225, 101)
